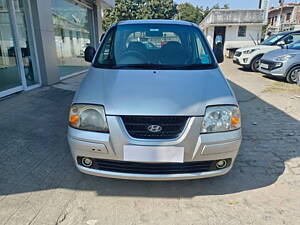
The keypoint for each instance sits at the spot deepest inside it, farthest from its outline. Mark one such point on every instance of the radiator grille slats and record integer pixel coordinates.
(171, 126)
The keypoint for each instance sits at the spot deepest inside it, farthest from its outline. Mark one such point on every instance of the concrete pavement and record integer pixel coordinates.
(40, 185)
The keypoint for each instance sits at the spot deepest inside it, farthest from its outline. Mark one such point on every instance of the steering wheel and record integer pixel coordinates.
(139, 57)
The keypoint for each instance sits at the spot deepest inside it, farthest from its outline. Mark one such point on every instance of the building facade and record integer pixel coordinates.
(43, 41)
(288, 21)
(233, 29)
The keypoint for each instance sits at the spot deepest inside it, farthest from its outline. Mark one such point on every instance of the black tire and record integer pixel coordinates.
(291, 77)
(255, 63)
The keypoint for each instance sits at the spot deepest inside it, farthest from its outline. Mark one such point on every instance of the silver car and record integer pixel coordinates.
(282, 62)
(163, 113)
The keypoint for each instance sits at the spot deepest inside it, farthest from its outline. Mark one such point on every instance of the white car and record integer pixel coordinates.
(249, 57)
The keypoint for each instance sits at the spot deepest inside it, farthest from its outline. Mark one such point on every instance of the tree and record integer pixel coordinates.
(124, 10)
(189, 12)
(155, 9)
(216, 6)
(139, 9)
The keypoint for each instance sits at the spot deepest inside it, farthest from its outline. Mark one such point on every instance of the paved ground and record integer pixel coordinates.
(40, 185)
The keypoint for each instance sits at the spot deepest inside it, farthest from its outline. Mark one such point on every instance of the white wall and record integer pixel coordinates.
(231, 37)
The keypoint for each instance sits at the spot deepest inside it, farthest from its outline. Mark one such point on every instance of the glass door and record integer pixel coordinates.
(25, 44)
(10, 77)
(17, 65)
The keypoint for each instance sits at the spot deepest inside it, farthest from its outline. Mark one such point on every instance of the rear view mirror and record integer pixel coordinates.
(219, 54)
(153, 32)
(89, 54)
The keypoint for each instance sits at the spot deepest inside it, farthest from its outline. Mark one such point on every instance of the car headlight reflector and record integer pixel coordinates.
(221, 119)
(88, 117)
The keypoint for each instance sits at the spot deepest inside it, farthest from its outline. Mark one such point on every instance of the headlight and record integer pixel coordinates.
(220, 119)
(88, 117)
(284, 58)
(249, 51)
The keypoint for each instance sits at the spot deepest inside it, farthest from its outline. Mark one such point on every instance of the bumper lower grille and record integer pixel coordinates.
(165, 127)
(152, 168)
(271, 65)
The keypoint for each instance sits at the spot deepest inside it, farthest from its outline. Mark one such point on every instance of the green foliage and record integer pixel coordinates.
(139, 9)
(188, 12)
(155, 9)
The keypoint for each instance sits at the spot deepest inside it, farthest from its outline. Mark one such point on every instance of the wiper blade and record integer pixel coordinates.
(161, 66)
(191, 66)
(141, 66)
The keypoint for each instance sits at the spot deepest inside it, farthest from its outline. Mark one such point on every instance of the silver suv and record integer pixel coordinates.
(154, 106)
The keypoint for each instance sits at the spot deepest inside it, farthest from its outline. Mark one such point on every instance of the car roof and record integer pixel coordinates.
(289, 32)
(176, 22)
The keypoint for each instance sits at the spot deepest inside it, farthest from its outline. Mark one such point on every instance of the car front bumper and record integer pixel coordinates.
(241, 60)
(197, 148)
(278, 72)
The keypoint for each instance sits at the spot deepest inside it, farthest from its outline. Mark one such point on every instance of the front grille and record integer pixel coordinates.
(271, 65)
(171, 126)
(238, 54)
(152, 168)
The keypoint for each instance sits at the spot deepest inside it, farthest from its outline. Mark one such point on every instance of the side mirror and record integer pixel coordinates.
(219, 54)
(280, 43)
(89, 54)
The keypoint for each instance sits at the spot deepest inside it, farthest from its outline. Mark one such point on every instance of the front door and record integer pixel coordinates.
(219, 37)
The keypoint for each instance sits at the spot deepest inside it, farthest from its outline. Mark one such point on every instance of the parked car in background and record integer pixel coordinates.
(282, 62)
(163, 113)
(249, 57)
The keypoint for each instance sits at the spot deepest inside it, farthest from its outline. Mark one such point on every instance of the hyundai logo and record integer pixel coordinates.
(154, 128)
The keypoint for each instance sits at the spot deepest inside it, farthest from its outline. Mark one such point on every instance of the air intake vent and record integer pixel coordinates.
(155, 127)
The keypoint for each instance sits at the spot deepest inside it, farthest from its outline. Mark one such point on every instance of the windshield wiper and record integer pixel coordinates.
(161, 66)
(141, 66)
(191, 66)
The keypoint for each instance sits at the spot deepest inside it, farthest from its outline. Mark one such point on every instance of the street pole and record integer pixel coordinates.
(260, 4)
(281, 11)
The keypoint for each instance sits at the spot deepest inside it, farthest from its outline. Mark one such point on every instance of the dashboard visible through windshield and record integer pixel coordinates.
(154, 46)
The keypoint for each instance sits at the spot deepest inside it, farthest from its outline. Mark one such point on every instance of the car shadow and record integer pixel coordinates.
(35, 154)
(244, 69)
(281, 79)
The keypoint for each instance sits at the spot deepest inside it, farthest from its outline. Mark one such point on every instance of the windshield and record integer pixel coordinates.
(272, 40)
(154, 46)
(295, 45)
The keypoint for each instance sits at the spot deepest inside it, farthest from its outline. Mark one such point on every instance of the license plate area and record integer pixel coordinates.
(264, 66)
(166, 154)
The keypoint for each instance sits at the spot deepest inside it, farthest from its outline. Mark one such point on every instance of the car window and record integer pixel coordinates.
(294, 45)
(201, 51)
(291, 38)
(155, 46)
(272, 40)
(152, 42)
(105, 55)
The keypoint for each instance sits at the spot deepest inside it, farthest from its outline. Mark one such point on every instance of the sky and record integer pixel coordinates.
(234, 4)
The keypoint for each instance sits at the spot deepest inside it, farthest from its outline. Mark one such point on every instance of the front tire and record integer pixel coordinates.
(292, 75)
(255, 63)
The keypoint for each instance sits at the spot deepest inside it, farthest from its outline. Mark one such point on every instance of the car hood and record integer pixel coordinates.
(149, 92)
(257, 47)
(279, 52)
